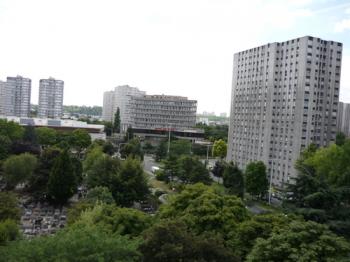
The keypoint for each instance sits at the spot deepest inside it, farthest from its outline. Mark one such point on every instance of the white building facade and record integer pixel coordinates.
(50, 98)
(161, 111)
(107, 109)
(284, 97)
(120, 98)
(343, 121)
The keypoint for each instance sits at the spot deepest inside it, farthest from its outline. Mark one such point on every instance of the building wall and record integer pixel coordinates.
(3, 97)
(17, 96)
(343, 121)
(50, 98)
(284, 97)
(108, 102)
(122, 99)
(160, 111)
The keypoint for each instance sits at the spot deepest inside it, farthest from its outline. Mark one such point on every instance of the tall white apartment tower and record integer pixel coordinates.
(16, 96)
(107, 109)
(50, 98)
(284, 97)
(3, 97)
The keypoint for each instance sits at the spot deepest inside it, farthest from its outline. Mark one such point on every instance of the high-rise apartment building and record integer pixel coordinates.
(343, 121)
(3, 97)
(107, 109)
(50, 98)
(121, 97)
(15, 95)
(161, 111)
(284, 97)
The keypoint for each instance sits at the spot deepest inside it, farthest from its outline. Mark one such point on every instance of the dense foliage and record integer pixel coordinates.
(256, 179)
(321, 191)
(215, 132)
(125, 180)
(62, 182)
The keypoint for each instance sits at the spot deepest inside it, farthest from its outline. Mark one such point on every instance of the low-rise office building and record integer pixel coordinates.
(161, 111)
(66, 125)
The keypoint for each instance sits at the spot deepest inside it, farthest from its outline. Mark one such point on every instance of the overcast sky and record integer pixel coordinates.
(173, 47)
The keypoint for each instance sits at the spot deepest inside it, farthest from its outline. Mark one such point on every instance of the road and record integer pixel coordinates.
(148, 162)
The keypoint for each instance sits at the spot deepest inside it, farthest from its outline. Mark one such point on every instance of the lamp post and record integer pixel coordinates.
(208, 151)
(168, 143)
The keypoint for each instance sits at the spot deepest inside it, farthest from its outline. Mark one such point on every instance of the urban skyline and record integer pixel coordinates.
(163, 46)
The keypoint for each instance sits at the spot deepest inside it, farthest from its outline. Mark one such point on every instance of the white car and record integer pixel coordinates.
(154, 169)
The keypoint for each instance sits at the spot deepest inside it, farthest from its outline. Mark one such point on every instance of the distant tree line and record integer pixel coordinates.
(86, 110)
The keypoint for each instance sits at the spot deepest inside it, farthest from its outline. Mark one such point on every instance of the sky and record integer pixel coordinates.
(172, 47)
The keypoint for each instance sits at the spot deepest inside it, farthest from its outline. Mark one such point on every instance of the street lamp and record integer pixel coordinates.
(208, 151)
(168, 143)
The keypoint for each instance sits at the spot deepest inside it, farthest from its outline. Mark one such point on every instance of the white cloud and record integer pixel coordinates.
(347, 11)
(342, 25)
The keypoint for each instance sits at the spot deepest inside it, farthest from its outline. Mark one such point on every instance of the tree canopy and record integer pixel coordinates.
(19, 168)
(219, 148)
(62, 182)
(233, 180)
(300, 241)
(256, 179)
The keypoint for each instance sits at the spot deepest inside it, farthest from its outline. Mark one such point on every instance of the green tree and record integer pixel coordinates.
(76, 243)
(108, 148)
(37, 182)
(131, 184)
(102, 172)
(203, 209)
(233, 180)
(46, 136)
(300, 241)
(11, 130)
(8, 231)
(100, 194)
(92, 155)
(80, 140)
(62, 181)
(256, 179)
(161, 151)
(117, 220)
(17, 169)
(259, 226)
(108, 128)
(29, 135)
(219, 148)
(340, 139)
(77, 209)
(216, 132)
(5, 148)
(148, 148)
(219, 168)
(116, 122)
(180, 147)
(321, 191)
(190, 170)
(173, 241)
(129, 134)
(9, 206)
(132, 149)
